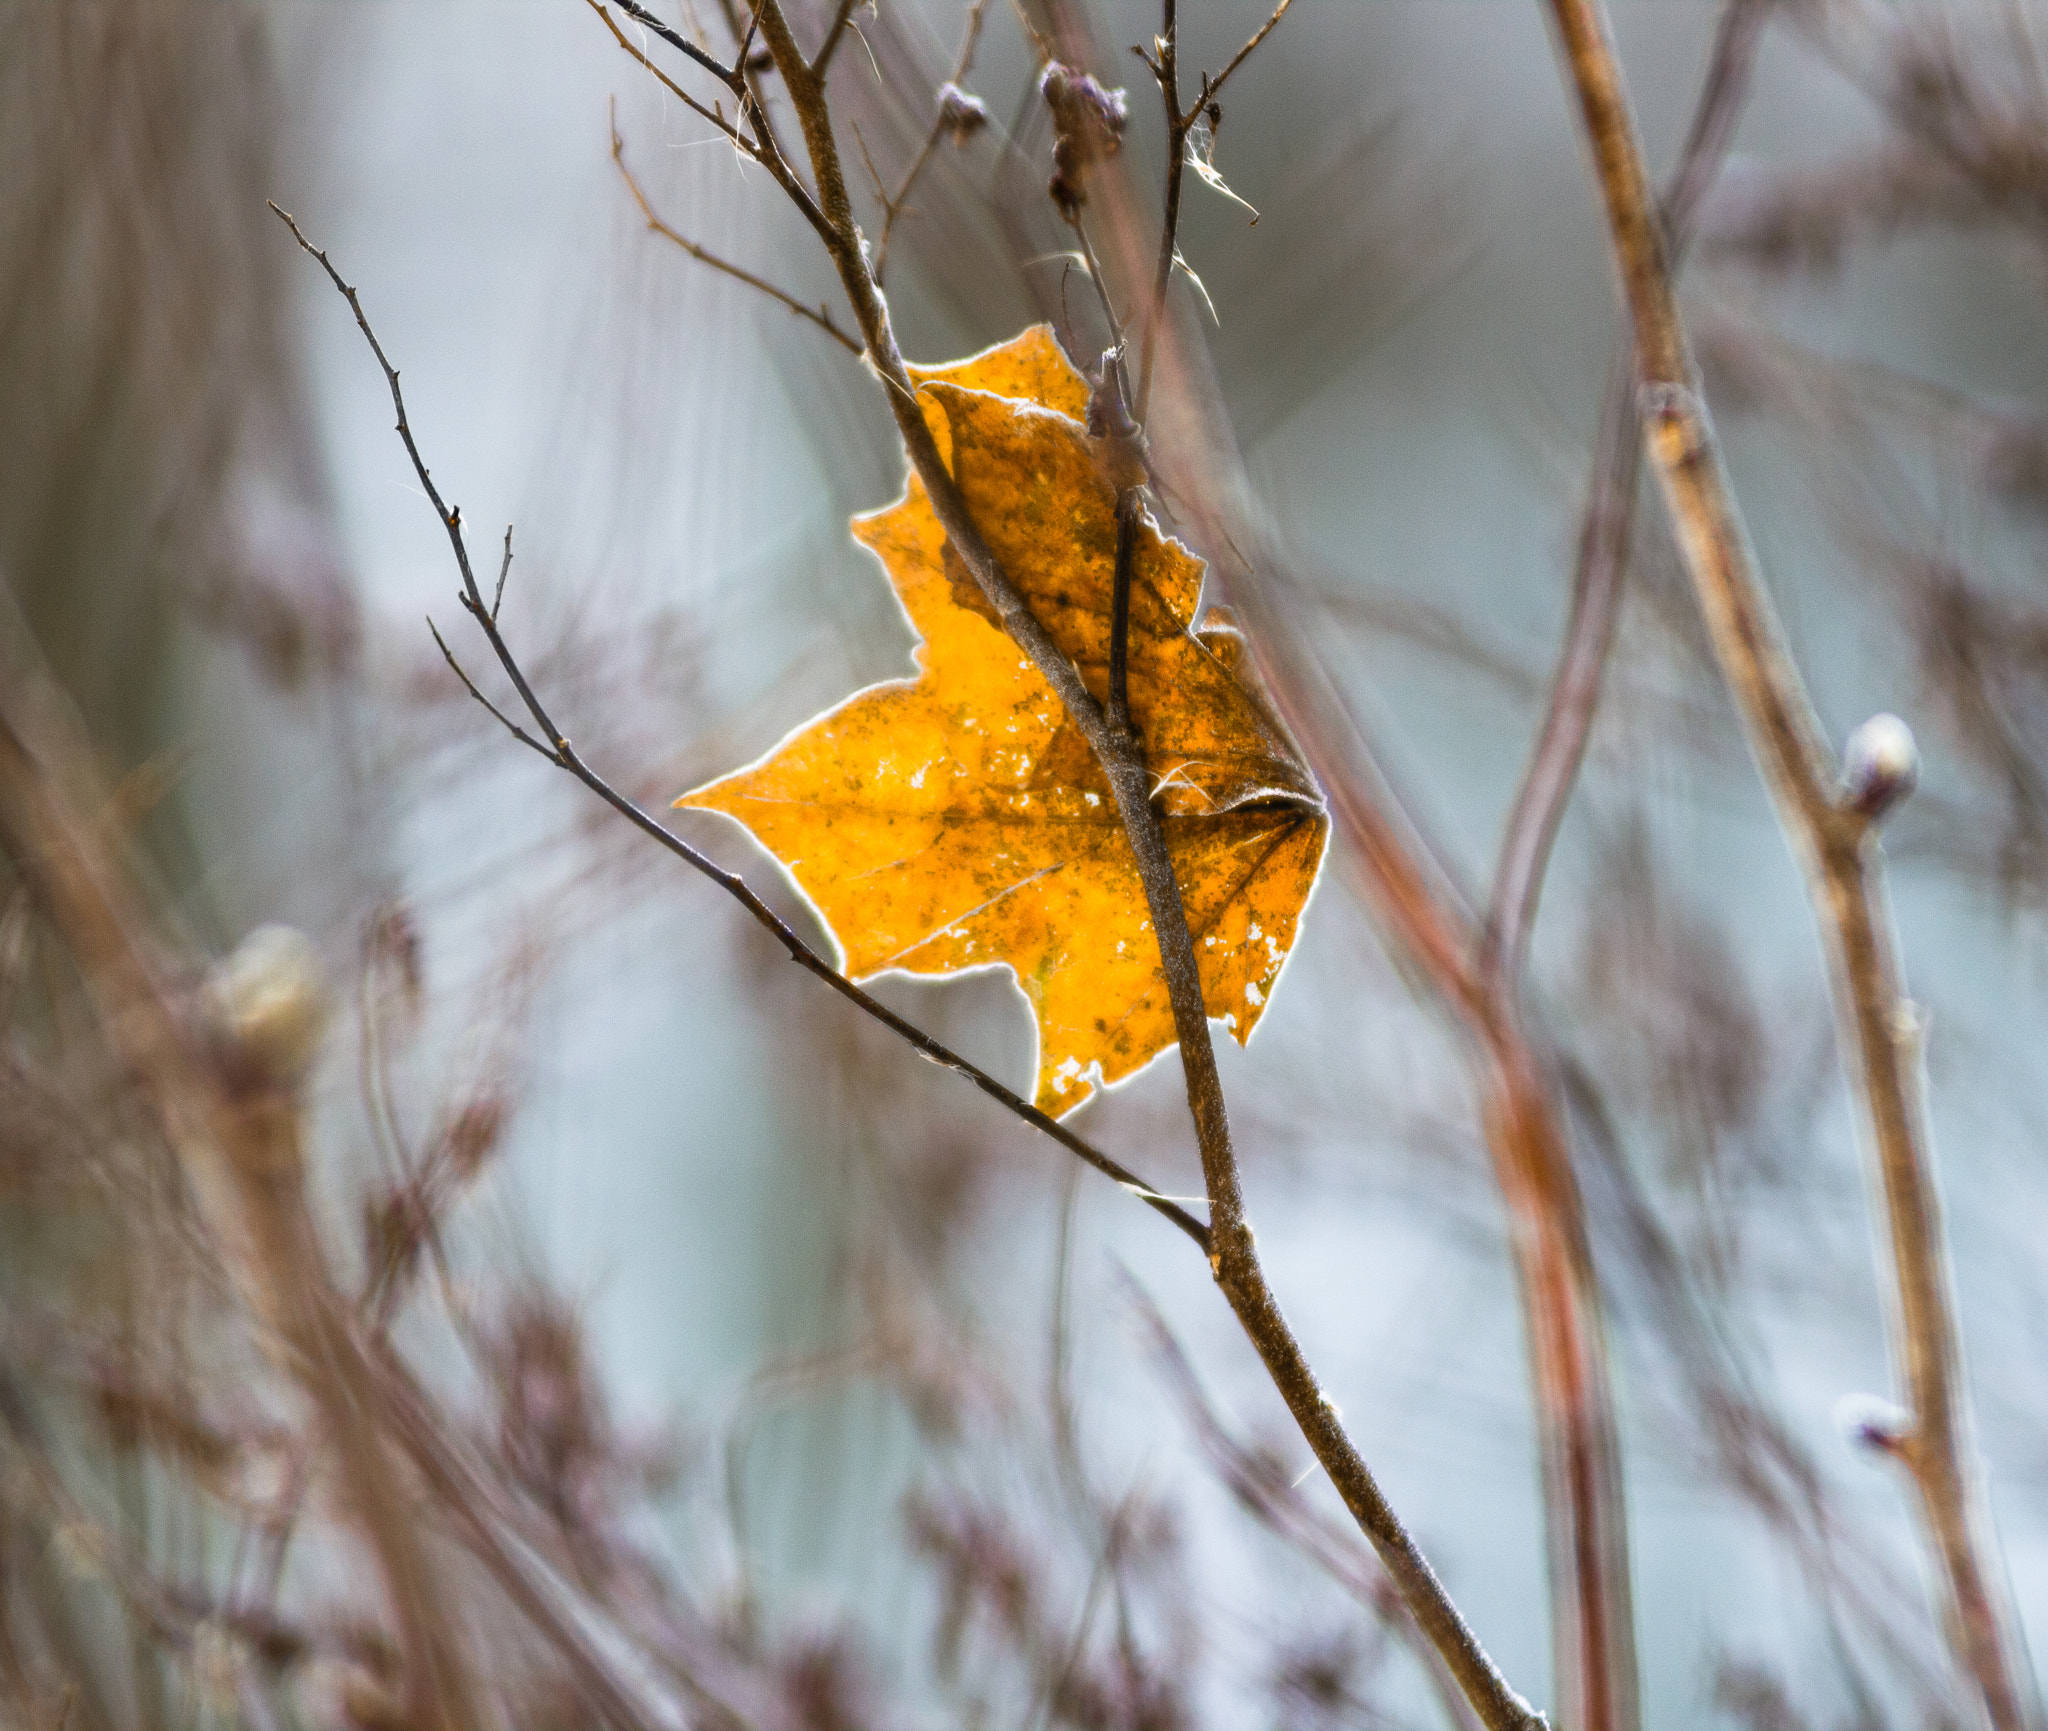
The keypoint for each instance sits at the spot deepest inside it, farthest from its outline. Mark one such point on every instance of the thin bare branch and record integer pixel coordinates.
(818, 315)
(1233, 1255)
(1165, 67)
(725, 127)
(726, 75)
(1213, 87)
(1880, 1030)
(830, 46)
(762, 147)
(893, 204)
(558, 751)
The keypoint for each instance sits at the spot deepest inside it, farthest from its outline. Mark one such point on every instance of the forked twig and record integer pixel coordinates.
(893, 203)
(1233, 1256)
(1180, 122)
(763, 147)
(1833, 835)
(554, 746)
(819, 315)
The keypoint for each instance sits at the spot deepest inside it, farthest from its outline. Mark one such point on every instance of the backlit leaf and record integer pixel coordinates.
(959, 820)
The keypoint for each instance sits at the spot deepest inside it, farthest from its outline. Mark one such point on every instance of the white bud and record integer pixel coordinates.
(1871, 1423)
(270, 999)
(1880, 765)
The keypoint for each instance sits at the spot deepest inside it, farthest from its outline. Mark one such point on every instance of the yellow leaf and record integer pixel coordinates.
(959, 820)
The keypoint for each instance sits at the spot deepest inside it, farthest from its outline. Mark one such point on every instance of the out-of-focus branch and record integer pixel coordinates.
(1604, 533)
(224, 1089)
(1233, 1256)
(554, 746)
(1832, 829)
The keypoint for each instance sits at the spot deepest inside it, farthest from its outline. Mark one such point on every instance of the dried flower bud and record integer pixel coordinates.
(1088, 127)
(1880, 764)
(270, 1000)
(1870, 1423)
(961, 115)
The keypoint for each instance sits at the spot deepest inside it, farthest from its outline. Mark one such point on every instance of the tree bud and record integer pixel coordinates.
(1880, 765)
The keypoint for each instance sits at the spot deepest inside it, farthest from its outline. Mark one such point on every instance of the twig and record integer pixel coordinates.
(682, 44)
(725, 76)
(892, 204)
(1880, 1031)
(830, 46)
(1233, 1257)
(1213, 87)
(1129, 505)
(555, 747)
(1179, 123)
(1604, 533)
(818, 316)
(762, 147)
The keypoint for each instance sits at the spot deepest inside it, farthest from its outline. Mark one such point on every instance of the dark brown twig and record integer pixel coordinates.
(1233, 1256)
(762, 147)
(841, 21)
(1180, 122)
(554, 746)
(1881, 1031)
(819, 315)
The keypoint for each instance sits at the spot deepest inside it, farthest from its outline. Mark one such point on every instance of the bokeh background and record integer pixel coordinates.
(864, 1343)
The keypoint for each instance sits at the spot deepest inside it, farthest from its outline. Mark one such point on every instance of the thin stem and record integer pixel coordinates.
(1604, 533)
(893, 203)
(761, 148)
(1213, 87)
(818, 316)
(1233, 1257)
(830, 46)
(1129, 506)
(731, 133)
(1880, 1030)
(726, 75)
(1179, 122)
(555, 747)
(1167, 70)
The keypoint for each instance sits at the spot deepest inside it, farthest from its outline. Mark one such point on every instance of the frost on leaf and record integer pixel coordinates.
(959, 820)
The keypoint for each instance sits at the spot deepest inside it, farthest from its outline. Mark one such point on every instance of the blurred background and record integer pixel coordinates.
(826, 1394)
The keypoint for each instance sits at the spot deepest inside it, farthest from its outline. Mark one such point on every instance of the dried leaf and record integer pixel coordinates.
(960, 820)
